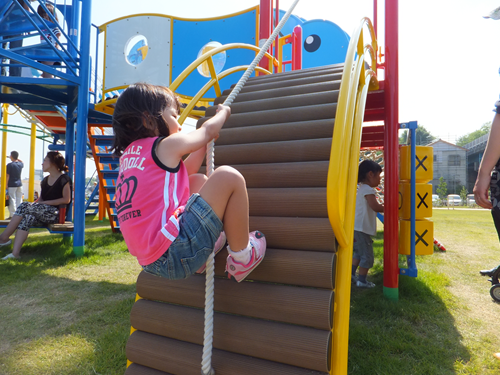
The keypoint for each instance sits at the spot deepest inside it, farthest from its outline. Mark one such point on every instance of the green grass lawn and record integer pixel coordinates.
(445, 321)
(63, 315)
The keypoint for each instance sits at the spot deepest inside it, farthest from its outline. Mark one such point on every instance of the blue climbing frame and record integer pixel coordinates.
(71, 89)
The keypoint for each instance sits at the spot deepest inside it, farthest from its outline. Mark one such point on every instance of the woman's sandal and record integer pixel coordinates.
(10, 256)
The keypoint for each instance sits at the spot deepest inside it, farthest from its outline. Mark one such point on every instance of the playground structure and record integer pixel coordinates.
(315, 101)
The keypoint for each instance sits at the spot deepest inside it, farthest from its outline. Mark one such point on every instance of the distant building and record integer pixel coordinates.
(449, 163)
(475, 151)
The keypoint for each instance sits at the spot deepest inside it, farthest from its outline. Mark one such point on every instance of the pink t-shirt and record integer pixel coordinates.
(148, 198)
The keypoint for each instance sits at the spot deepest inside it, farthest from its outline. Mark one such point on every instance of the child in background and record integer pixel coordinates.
(55, 31)
(169, 229)
(365, 224)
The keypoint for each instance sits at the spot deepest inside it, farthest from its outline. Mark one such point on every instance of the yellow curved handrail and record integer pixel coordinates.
(337, 174)
(208, 56)
(342, 179)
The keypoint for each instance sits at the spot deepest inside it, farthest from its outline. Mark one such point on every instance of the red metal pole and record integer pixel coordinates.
(276, 21)
(265, 27)
(375, 17)
(391, 238)
(297, 48)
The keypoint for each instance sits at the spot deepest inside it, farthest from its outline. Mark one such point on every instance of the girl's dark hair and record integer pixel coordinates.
(58, 160)
(368, 166)
(139, 114)
(44, 14)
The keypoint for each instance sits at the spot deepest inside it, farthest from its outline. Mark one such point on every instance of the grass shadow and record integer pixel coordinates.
(415, 335)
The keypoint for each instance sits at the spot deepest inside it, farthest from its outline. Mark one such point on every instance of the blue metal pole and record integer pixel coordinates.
(81, 129)
(412, 265)
(70, 152)
(73, 28)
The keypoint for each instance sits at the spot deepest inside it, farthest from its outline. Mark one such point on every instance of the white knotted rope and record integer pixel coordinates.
(206, 363)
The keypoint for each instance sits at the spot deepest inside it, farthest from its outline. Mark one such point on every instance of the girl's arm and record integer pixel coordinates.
(372, 202)
(194, 160)
(66, 198)
(175, 146)
(490, 158)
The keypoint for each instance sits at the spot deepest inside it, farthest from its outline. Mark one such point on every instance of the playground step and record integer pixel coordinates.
(113, 161)
(180, 357)
(283, 175)
(322, 70)
(13, 21)
(285, 91)
(276, 132)
(109, 174)
(288, 83)
(110, 189)
(285, 307)
(275, 152)
(103, 140)
(283, 102)
(275, 116)
(283, 343)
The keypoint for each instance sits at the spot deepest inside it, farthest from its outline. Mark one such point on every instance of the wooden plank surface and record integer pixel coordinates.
(288, 304)
(273, 341)
(179, 357)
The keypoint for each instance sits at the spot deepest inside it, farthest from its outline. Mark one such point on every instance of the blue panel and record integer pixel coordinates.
(327, 43)
(190, 36)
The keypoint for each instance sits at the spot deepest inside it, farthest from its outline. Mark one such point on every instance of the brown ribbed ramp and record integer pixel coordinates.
(279, 320)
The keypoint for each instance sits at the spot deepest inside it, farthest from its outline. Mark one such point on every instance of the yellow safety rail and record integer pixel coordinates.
(342, 178)
(214, 81)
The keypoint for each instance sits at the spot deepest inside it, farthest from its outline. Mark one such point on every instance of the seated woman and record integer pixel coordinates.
(56, 190)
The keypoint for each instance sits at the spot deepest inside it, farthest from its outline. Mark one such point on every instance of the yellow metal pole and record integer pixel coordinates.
(31, 188)
(3, 179)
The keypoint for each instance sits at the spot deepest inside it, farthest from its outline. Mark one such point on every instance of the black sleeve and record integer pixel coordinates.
(497, 107)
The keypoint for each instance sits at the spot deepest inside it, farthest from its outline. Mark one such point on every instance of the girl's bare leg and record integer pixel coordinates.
(11, 228)
(226, 192)
(21, 236)
(196, 181)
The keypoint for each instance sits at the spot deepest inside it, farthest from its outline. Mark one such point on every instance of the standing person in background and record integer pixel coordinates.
(365, 222)
(55, 31)
(485, 177)
(14, 183)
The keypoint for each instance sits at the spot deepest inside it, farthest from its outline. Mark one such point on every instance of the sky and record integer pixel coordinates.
(448, 55)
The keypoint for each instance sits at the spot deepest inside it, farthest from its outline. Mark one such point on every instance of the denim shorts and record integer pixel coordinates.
(200, 228)
(363, 249)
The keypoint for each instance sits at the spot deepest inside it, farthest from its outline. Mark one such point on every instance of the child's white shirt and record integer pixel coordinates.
(366, 218)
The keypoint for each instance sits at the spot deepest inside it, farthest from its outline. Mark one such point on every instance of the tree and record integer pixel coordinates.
(422, 135)
(485, 129)
(442, 189)
(463, 195)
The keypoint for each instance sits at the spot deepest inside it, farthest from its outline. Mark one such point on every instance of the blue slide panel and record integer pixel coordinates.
(190, 36)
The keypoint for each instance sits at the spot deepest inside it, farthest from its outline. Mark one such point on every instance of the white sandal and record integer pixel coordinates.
(10, 256)
(6, 243)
